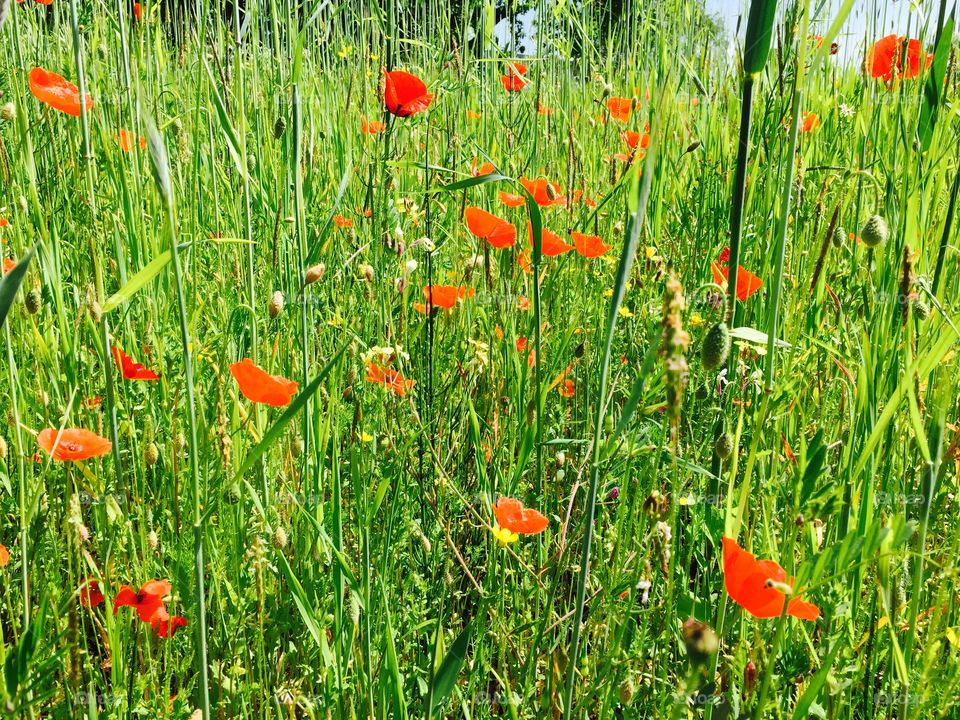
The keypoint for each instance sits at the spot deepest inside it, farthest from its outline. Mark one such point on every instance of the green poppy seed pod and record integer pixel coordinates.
(921, 310)
(839, 235)
(276, 304)
(151, 453)
(279, 538)
(279, 127)
(33, 301)
(716, 346)
(723, 447)
(625, 691)
(8, 111)
(875, 232)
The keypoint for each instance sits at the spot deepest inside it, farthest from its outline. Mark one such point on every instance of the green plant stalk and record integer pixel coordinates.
(736, 211)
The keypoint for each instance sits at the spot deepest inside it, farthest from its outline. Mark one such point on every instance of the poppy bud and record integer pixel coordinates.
(8, 111)
(749, 676)
(366, 272)
(561, 458)
(701, 641)
(551, 193)
(33, 301)
(251, 162)
(839, 235)
(625, 691)
(276, 304)
(614, 493)
(278, 127)
(693, 146)
(607, 90)
(723, 447)
(151, 453)
(921, 310)
(314, 273)
(716, 347)
(296, 447)
(96, 312)
(279, 538)
(875, 232)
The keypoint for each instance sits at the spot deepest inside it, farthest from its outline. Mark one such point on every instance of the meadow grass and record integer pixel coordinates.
(337, 556)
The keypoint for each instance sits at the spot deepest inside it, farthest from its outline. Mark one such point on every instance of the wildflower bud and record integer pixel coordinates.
(921, 309)
(874, 232)
(749, 676)
(22, 202)
(33, 301)
(251, 162)
(96, 312)
(279, 538)
(152, 540)
(723, 447)
(551, 193)
(151, 453)
(3, 448)
(278, 127)
(8, 112)
(276, 304)
(716, 347)
(625, 691)
(296, 447)
(398, 233)
(607, 90)
(618, 227)
(179, 442)
(409, 266)
(314, 273)
(839, 235)
(701, 641)
(561, 458)
(366, 272)
(614, 493)
(693, 146)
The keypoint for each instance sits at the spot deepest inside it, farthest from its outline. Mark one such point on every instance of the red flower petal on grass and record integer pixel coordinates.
(147, 600)
(124, 139)
(747, 282)
(446, 296)
(132, 370)
(486, 226)
(259, 386)
(513, 516)
(166, 626)
(389, 378)
(90, 594)
(511, 200)
(371, 127)
(483, 169)
(57, 92)
(885, 58)
(73, 444)
(620, 108)
(4, 555)
(544, 192)
(590, 246)
(748, 584)
(551, 245)
(514, 80)
(405, 94)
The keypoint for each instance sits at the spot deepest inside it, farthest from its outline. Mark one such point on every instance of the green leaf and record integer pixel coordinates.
(934, 89)
(472, 182)
(11, 282)
(757, 337)
(756, 45)
(137, 282)
(449, 670)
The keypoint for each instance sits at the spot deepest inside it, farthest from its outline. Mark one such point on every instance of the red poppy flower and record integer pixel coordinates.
(511, 200)
(884, 58)
(471, 115)
(747, 282)
(90, 594)
(259, 386)
(590, 246)
(8, 265)
(544, 192)
(147, 601)
(132, 370)
(544, 109)
(551, 245)
(342, 222)
(809, 122)
(136, 11)
(371, 127)
(521, 344)
(514, 80)
(405, 94)
(566, 389)
(73, 444)
(57, 92)
(484, 169)
(632, 139)
(749, 584)
(513, 516)
(496, 231)
(446, 296)
(579, 196)
(620, 108)
(164, 625)
(125, 141)
(4, 555)
(389, 378)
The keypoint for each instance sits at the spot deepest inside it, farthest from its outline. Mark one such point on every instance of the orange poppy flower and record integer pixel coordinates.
(57, 92)
(125, 141)
(566, 389)
(8, 265)
(884, 58)
(371, 127)
(484, 169)
(523, 261)
(4, 555)
(620, 108)
(514, 80)
(521, 344)
(551, 245)
(513, 516)
(471, 115)
(748, 582)
(544, 192)
(544, 109)
(810, 122)
(342, 222)
(146, 601)
(632, 139)
(446, 296)
(590, 246)
(136, 11)
(511, 200)
(4, 222)
(259, 386)
(90, 594)
(132, 370)
(389, 378)
(496, 231)
(579, 196)
(73, 444)
(405, 94)
(747, 282)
